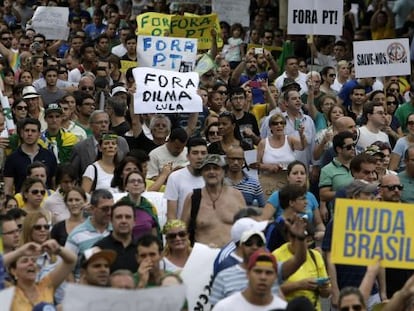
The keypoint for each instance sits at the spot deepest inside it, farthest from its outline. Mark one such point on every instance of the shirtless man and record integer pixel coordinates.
(218, 205)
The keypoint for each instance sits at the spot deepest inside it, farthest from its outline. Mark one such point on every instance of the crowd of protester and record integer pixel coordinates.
(95, 194)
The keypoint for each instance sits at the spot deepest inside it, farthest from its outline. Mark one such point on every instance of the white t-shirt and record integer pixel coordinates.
(160, 156)
(180, 183)
(238, 302)
(367, 138)
(104, 179)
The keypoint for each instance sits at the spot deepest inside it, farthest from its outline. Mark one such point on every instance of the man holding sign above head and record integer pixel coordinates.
(247, 70)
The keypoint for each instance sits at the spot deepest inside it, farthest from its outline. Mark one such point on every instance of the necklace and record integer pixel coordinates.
(216, 199)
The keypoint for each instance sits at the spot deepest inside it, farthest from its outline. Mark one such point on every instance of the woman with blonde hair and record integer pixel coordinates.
(178, 247)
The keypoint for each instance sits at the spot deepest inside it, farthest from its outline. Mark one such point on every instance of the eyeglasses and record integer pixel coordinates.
(389, 103)
(21, 107)
(135, 181)
(258, 243)
(172, 236)
(15, 231)
(89, 88)
(410, 122)
(393, 187)
(278, 123)
(332, 75)
(215, 133)
(353, 307)
(349, 147)
(40, 227)
(37, 191)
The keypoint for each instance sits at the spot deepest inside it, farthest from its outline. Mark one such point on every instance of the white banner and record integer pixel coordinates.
(232, 11)
(315, 17)
(51, 22)
(164, 91)
(177, 54)
(196, 275)
(6, 298)
(91, 298)
(381, 58)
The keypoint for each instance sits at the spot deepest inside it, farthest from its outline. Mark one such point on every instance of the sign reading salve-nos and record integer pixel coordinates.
(165, 91)
(315, 17)
(365, 231)
(381, 58)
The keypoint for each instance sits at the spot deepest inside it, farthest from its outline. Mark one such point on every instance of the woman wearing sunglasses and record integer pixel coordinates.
(212, 133)
(37, 229)
(33, 191)
(275, 152)
(19, 111)
(177, 248)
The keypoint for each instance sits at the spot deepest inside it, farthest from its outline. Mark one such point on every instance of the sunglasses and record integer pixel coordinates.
(349, 147)
(172, 236)
(24, 45)
(6, 38)
(21, 107)
(89, 88)
(258, 243)
(353, 307)
(410, 122)
(222, 92)
(332, 75)
(39, 227)
(215, 133)
(393, 187)
(389, 103)
(278, 123)
(37, 191)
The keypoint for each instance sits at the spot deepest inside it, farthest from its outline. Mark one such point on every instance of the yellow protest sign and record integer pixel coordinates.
(126, 64)
(188, 26)
(365, 231)
(269, 48)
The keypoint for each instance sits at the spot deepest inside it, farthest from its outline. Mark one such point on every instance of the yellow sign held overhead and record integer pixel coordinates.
(187, 26)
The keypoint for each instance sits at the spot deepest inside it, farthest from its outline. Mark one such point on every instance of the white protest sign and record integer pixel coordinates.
(316, 17)
(90, 298)
(6, 298)
(165, 91)
(51, 22)
(232, 11)
(196, 275)
(178, 54)
(381, 58)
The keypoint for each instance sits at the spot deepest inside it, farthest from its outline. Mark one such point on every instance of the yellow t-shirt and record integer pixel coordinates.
(309, 269)
(45, 290)
(20, 202)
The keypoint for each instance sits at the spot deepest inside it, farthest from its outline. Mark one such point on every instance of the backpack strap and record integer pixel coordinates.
(95, 179)
(195, 207)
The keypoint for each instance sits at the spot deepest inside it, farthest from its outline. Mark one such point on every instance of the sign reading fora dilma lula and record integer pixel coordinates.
(165, 91)
(382, 58)
(365, 231)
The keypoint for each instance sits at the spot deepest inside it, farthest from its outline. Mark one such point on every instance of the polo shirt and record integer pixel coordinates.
(335, 175)
(250, 188)
(16, 165)
(126, 256)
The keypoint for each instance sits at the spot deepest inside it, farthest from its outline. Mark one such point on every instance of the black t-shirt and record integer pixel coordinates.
(141, 142)
(121, 128)
(248, 121)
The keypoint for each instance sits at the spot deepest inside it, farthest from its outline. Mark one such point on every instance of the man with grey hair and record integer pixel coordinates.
(160, 127)
(85, 152)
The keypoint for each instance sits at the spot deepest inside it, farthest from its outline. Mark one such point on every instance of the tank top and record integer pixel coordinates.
(283, 155)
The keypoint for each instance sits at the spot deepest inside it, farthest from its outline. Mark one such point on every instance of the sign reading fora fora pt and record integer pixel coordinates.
(366, 231)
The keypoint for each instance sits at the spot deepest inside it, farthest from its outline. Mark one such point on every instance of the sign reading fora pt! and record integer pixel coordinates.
(165, 91)
(365, 231)
(380, 58)
(316, 17)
